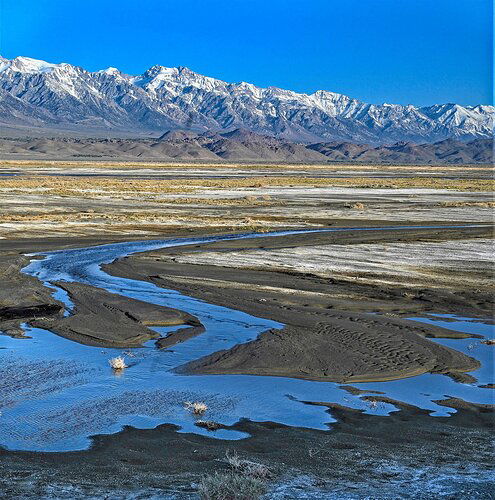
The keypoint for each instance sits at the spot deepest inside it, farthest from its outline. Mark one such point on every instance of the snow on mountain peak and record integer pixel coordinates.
(109, 71)
(28, 65)
(177, 97)
(160, 71)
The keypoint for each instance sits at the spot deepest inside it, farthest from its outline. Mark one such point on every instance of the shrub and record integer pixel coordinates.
(355, 206)
(247, 467)
(117, 363)
(196, 408)
(230, 486)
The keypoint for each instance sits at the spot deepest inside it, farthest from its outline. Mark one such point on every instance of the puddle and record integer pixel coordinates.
(56, 394)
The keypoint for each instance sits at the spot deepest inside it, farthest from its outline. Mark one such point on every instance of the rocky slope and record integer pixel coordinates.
(244, 146)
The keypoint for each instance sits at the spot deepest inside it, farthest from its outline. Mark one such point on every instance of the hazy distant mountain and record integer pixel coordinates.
(245, 146)
(62, 97)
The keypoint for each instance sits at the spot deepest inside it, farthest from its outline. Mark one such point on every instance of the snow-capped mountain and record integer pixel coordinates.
(65, 97)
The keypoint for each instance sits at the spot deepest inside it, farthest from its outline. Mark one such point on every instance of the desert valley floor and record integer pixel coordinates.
(336, 321)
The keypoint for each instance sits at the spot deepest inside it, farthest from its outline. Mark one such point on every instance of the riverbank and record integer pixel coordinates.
(329, 339)
(303, 281)
(326, 335)
(405, 454)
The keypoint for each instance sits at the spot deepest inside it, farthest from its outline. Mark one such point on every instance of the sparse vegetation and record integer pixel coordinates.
(458, 204)
(117, 363)
(136, 165)
(246, 480)
(38, 204)
(247, 467)
(196, 408)
(103, 187)
(230, 486)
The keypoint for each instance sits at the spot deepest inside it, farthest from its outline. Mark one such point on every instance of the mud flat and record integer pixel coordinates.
(326, 336)
(321, 286)
(104, 200)
(407, 453)
(105, 319)
(97, 318)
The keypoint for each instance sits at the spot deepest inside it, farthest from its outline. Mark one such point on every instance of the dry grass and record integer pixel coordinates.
(146, 188)
(117, 363)
(359, 182)
(91, 187)
(230, 486)
(482, 204)
(147, 219)
(247, 467)
(246, 201)
(196, 408)
(136, 165)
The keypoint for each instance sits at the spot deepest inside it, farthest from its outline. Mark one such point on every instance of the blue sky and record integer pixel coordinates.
(397, 51)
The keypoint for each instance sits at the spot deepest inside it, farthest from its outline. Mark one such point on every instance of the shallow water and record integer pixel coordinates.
(56, 393)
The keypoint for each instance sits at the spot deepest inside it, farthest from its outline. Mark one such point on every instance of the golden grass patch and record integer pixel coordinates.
(136, 165)
(95, 187)
(456, 204)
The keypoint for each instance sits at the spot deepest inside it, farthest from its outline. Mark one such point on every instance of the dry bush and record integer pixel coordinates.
(355, 206)
(247, 467)
(230, 486)
(196, 408)
(117, 363)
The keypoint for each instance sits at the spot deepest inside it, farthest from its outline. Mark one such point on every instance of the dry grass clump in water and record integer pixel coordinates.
(196, 408)
(117, 363)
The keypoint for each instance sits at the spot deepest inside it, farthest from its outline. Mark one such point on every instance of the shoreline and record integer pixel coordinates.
(318, 321)
(303, 348)
(357, 439)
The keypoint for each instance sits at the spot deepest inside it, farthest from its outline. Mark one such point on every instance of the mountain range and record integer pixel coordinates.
(242, 145)
(36, 96)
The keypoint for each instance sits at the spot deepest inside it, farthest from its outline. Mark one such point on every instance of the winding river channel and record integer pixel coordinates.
(55, 394)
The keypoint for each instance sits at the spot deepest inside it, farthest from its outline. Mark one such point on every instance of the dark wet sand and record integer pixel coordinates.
(381, 452)
(105, 319)
(327, 337)
(360, 449)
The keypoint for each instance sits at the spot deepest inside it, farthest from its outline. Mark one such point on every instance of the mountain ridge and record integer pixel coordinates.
(242, 145)
(44, 95)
